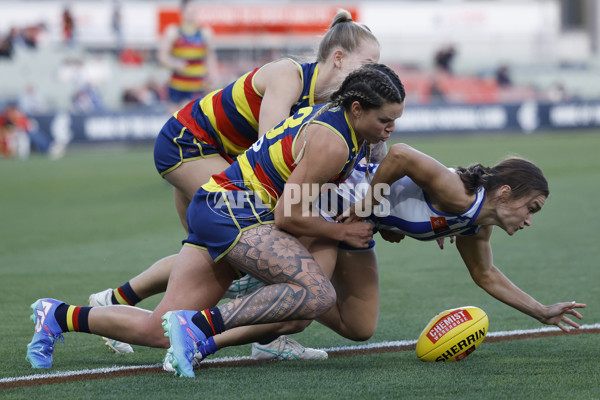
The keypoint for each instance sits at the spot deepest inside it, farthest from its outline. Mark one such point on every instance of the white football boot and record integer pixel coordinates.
(101, 299)
(284, 348)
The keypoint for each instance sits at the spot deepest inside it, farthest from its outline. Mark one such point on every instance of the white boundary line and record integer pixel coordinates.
(369, 346)
(524, 332)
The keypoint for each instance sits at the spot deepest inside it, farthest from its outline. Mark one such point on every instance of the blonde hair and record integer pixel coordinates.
(345, 33)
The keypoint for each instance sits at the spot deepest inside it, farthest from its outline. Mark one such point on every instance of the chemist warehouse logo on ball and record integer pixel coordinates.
(448, 323)
(237, 202)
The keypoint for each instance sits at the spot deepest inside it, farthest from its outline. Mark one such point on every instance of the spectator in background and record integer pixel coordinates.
(115, 24)
(503, 76)
(131, 57)
(149, 94)
(25, 125)
(7, 44)
(187, 51)
(444, 57)
(130, 97)
(31, 34)
(31, 102)
(13, 141)
(436, 94)
(87, 100)
(557, 93)
(68, 26)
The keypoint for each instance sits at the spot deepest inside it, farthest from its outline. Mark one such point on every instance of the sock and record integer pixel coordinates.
(72, 318)
(267, 340)
(125, 295)
(208, 347)
(209, 321)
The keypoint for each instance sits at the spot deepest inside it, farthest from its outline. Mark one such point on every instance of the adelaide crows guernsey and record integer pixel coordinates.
(227, 119)
(191, 48)
(266, 166)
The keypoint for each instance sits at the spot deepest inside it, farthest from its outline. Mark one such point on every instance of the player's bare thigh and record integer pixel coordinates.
(187, 179)
(190, 175)
(196, 282)
(356, 283)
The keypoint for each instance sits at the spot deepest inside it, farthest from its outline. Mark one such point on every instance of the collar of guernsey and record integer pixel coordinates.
(309, 73)
(266, 166)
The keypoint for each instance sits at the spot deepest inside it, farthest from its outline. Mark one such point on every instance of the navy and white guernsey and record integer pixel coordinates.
(406, 209)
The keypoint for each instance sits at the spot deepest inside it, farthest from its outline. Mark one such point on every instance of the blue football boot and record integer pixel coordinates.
(184, 336)
(47, 332)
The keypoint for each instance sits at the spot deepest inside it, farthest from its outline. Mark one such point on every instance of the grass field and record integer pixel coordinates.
(97, 217)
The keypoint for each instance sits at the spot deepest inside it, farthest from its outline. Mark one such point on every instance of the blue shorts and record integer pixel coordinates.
(346, 247)
(178, 96)
(175, 145)
(216, 220)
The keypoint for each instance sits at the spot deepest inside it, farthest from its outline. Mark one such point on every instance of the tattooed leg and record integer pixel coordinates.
(299, 289)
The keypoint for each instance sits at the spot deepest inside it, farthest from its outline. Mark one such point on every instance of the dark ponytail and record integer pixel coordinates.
(523, 177)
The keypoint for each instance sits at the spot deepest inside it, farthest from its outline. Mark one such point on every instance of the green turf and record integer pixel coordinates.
(99, 216)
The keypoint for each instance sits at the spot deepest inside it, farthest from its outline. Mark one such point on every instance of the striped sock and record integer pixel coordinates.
(72, 318)
(209, 321)
(125, 295)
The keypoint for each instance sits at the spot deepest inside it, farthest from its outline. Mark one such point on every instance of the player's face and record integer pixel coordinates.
(518, 213)
(376, 125)
(367, 52)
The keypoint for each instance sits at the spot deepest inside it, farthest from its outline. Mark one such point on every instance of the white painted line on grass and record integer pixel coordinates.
(77, 373)
(369, 346)
(525, 332)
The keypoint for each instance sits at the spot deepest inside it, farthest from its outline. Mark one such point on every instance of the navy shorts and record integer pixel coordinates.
(178, 96)
(175, 145)
(346, 247)
(216, 220)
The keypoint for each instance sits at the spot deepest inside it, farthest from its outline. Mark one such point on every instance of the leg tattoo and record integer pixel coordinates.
(298, 290)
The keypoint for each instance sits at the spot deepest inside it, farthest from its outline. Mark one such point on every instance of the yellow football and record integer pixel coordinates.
(453, 334)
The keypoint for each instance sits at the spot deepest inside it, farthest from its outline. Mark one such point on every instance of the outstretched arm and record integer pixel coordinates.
(476, 252)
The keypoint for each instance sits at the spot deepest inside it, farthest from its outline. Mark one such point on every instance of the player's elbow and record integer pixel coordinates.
(287, 221)
(284, 222)
(482, 277)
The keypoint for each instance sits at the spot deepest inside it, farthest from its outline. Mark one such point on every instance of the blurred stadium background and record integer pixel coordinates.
(105, 84)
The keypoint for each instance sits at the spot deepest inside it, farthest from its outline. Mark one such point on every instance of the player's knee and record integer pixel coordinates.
(362, 333)
(322, 298)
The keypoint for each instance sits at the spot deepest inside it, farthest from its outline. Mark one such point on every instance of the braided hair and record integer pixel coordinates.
(523, 177)
(371, 85)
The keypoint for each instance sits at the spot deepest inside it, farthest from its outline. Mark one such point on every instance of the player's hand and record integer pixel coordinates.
(391, 236)
(557, 315)
(440, 241)
(357, 233)
(355, 212)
